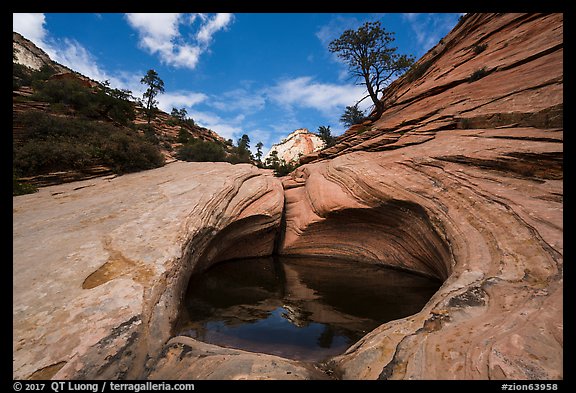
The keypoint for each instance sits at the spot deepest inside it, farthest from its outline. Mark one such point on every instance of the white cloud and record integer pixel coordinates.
(159, 27)
(179, 99)
(75, 56)
(156, 30)
(239, 100)
(304, 92)
(430, 28)
(410, 16)
(335, 27)
(266, 137)
(128, 80)
(333, 30)
(324, 97)
(218, 22)
(226, 128)
(31, 26)
(160, 35)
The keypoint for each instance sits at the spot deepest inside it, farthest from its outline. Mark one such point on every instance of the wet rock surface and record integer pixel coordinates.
(185, 358)
(302, 308)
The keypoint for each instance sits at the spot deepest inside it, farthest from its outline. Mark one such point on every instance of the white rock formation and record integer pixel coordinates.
(31, 56)
(299, 143)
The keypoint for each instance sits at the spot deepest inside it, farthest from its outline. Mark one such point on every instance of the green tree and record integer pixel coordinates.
(199, 150)
(273, 158)
(352, 115)
(56, 143)
(243, 153)
(180, 114)
(371, 59)
(69, 92)
(326, 135)
(183, 135)
(280, 167)
(259, 147)
(116, 103)
(244, 142)
(155, 87)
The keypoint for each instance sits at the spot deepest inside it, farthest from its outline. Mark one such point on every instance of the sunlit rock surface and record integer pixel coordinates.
(100, 265)
(30, 55)
(298, 143)
(461, 179)
(493, 234)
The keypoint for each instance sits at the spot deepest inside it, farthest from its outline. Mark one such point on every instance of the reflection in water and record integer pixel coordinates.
(299, 308)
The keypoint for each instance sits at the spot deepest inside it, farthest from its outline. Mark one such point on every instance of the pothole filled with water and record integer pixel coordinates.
(306, 309)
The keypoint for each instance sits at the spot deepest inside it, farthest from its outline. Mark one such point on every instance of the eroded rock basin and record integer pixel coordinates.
(301, 308)
(462, 181)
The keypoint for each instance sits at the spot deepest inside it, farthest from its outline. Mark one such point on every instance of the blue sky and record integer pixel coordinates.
(260, 74)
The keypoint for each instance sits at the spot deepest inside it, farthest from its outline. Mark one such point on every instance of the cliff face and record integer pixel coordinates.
(299, 143)
(31, 56)
(461, 179)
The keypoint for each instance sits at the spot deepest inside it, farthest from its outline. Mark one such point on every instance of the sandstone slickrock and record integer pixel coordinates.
(461, 179)
(493, 235)
(184, 358)
(100, 265)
